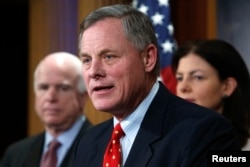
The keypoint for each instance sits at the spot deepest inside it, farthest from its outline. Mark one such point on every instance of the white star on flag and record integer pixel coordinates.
(157, 19)
(143, 9)
(167, 46)
(159, 14)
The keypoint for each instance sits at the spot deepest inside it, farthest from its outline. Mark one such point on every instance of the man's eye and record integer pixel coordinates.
(85, 60)
(64, 87)
(109, 57)
(43, 87)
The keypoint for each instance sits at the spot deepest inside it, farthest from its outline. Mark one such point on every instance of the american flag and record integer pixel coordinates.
(159, 13)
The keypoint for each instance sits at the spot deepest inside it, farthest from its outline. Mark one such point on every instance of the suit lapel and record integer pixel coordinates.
(103, 141)
(33, 158)
(68, 157)
(150, 131)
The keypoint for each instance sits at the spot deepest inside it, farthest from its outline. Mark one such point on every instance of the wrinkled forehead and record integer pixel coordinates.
(56, 73)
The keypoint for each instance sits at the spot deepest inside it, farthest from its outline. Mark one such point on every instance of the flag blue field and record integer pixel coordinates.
(159, 13)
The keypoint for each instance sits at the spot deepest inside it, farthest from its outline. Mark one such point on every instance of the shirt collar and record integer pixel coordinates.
(132, 122)
(64, 137)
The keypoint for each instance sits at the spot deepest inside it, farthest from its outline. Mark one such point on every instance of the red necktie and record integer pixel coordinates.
(112, 156)
(49, 159)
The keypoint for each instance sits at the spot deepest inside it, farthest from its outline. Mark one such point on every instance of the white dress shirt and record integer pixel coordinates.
(66, 139)
(132, 122)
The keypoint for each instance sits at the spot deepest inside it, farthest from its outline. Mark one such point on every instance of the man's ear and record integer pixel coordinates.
(150, 57)
(230, 86)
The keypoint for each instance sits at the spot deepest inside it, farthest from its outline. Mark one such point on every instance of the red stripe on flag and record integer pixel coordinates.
(168, 79)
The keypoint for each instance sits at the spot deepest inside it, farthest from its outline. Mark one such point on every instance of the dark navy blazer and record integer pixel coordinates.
(173, 133)
(28, 152)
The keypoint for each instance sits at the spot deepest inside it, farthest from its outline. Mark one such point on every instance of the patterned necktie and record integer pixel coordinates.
(112, 156)
(49, 159)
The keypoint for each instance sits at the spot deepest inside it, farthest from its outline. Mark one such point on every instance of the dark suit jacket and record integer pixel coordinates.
(173, 133)
(28, 152)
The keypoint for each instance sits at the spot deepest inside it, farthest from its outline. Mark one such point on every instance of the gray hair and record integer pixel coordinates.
(137, 27)
(72, 60)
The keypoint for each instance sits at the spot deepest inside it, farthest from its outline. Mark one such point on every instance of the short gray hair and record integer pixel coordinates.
(137, 27)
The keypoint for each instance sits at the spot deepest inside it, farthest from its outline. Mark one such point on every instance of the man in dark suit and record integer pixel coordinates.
(119, 52)
(60, 98)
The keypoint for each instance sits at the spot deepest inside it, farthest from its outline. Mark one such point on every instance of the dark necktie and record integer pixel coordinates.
(112, 156)
(49, 159)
